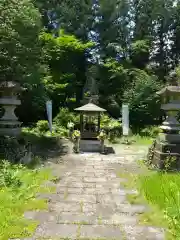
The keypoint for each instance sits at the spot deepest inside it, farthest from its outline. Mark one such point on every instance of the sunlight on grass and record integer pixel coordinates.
(142, 140)
(135, 140)
(16, 199)
(153, 217)
(161, 191)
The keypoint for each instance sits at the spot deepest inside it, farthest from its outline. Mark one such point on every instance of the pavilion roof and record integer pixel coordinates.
(90, 107)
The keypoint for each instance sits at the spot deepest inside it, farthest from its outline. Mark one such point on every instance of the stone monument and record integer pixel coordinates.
(167, 144)
(9, 124)
(90, 91)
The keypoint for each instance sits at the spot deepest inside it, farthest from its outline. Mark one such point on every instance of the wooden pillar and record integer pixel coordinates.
(99, 121)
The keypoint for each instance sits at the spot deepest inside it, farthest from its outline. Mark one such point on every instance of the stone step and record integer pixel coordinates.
(94, 232)
(81, 218)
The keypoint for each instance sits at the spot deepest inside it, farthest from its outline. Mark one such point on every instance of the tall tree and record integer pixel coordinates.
(64, 56)
(75, 17)
(111, 28)
(162, 46)
(20, 25)
(175, 37)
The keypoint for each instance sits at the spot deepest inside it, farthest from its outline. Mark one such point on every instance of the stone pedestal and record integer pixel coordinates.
(166, 149)
(90, 146)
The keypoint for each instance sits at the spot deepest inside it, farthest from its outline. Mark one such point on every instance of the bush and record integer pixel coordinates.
(42, 130)
(64, 117)
(112, 126)
(12, 149)
(61, 131)
(9, 175)
(151, 131)
(42, 126)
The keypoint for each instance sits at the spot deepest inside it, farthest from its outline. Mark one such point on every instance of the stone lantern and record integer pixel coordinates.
(167, 144)
(9, 124)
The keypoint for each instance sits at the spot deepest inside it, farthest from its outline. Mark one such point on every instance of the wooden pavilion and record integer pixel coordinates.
(90, 117)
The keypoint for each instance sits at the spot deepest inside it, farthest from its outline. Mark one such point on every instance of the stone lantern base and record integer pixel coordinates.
(165, 151)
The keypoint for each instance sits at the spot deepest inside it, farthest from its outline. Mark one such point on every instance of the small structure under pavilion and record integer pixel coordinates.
(90, 117)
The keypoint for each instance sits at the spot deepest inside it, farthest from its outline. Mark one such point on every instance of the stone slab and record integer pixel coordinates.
(141, 232)
(64, 207)
(104, 231)
(53, 230)
(94, 180)
(81, 198)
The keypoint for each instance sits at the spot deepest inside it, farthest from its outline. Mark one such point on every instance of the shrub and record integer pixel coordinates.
(112, 126)
(60, 131)
(151, 131)
(42, 126)
(12, 149)
(9, 175)
(64, 117)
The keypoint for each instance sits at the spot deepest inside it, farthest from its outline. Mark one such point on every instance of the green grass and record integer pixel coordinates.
(163, 190)
(139, 140)
(18, 189)
(134, 140)
(162, 193)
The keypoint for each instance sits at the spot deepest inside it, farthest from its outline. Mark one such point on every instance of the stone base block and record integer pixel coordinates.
(166, 153)
(13, 132)
(90, 146)
(169, 138)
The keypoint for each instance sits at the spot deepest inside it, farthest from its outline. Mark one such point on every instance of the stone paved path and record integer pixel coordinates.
(90, 202)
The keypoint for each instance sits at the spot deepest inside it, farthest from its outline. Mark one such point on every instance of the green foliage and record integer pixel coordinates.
(131, 60)
(113, 75)
(70, 125)
(102, 136)
(18, 190)
(136, 140)
(42, 130)
(141, 96)
(12, 148)
(42, 126)
(76, 135)
(65, 57)
(162, 190)
(60, 131)
(170, 163)
(9, 175)
(110, 125)
(20, 25)
(140, 53)
(65, 116)
(151, 131)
